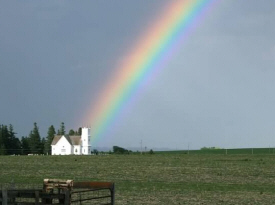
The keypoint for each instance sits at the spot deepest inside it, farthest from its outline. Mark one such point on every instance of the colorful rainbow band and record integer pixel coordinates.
(148, 56)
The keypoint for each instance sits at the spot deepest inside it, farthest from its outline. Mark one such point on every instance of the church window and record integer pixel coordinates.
(75, 150)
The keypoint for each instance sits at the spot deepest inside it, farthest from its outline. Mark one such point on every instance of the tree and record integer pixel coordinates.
(4, 139)
(25, 146)
(10, 139)
(49, 139)
(14, 144)
(72, 132)
(43, 142)
(2, 145)
(95, 151)
(79, 131)
(2, 150)
(120, 150)
(9, 143)
(61, 130)
(35, 140)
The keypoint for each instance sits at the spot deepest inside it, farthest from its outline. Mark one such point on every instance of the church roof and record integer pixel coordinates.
(73, 140)
(56, 139)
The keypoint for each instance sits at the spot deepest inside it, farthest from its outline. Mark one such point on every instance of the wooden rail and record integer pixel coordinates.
(94, 186)
(31, 197)
(63, 192)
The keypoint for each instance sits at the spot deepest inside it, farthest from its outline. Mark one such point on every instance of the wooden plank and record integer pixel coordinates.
(91, 198)
(93, 185)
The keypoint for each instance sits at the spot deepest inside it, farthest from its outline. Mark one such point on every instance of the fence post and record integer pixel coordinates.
(113, 194)
(67, 200)
(36, 197)
(4, 197)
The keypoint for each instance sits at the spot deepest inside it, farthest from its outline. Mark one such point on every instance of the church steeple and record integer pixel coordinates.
(86, 140)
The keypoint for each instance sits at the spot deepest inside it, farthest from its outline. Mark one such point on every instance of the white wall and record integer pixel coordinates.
(62, 147)
(77, 150)
(86, 140)
(86, 150)
(86, 136)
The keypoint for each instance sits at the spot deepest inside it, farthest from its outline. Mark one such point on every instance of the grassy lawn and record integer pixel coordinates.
(159, 178)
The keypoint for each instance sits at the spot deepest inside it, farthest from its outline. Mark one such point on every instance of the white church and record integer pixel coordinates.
(76, 145)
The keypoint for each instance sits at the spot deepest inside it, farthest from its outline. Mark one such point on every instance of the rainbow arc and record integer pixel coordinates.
(147, 57)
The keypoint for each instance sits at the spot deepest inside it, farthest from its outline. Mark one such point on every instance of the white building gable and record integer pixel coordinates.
(62, 147)
(78, 145)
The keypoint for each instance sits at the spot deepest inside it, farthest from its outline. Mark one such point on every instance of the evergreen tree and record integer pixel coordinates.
(2, 149)
(72, 132)
(43, 142)
(9, 143)
(2, 146)
(9, 138)
(79, 131)
(25, 146)
(61, 130)
(2, 142)
(35, 140)
(14, 144)
(49, 139)
(5, 139)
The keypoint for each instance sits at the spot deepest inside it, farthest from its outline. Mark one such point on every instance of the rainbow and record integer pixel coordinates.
(148, 56)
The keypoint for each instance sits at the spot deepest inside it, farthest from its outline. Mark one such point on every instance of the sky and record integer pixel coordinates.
(56, 57)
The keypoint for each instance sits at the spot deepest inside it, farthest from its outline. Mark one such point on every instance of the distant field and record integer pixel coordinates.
(223, 151)
(167, 178)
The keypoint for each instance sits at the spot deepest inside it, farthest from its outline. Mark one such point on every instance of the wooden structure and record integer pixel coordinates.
(62, 192)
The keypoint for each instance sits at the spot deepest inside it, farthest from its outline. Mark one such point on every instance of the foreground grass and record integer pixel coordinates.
(159, 178)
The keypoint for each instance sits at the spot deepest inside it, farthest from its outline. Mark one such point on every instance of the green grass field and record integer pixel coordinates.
(224, 151)
(162, 178)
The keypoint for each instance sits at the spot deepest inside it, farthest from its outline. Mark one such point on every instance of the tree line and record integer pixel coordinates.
(31, 144)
